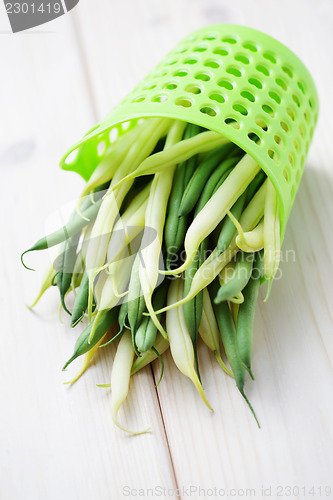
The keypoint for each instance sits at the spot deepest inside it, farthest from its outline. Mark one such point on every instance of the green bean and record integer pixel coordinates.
(175, 227)
(219, 175)
(75, 224)
(245, 317)
(228, 228)
(190, 164)
(193, 308)
(81, 300)
(201, 174)
(232, 289)
(82, 345)
(161, 345)
(64, 267)
(228, 336)
(145, 335)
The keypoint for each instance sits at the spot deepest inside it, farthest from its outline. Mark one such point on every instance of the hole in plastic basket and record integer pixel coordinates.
(248, 95)
(296, 100)
(278, 140)
(275, 97)
(261, 123)
(286, 173)
(160, 74)
(202, 76)
(125, 125)
(263, 69)
(221, 51)
(257, 83)
(297, 144)
(270, 57)
(250, 46)
(242, 58)
(281, 83)
(291, 113)
(254, 137)
(211, 64)
(149, 86)
(113, 134)
(190, 61)
(229, 39)
(160, 98)
(217, 97)
(301, 131)
(139, 98)
(240, 109)
(273, 155)
(287, 71)
(200, 48)
(183, 101)
(233, 122)
(226, 84)
(232, 70)
(170, 86)
(101, 148)
(181, 73)
(291, 159)
(181, 50)
(209, 37)
(301, 87)
(172, 62)
(193, 89)
(268, 109)
(208, 110)
(284, 126)
(311, 102)
(307, 117)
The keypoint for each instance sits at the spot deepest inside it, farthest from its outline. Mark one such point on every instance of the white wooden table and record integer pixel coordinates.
(58, 442)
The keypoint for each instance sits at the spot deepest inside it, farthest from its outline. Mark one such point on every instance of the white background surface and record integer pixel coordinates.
(57, 81)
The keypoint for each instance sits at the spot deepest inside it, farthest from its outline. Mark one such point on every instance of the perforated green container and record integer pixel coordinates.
(231, 79)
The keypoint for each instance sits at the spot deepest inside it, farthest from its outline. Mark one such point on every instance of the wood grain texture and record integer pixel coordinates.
(59, 442)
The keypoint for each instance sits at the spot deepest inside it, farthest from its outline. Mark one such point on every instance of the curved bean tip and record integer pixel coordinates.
(251, 408)
(23, 264)
(68, 363)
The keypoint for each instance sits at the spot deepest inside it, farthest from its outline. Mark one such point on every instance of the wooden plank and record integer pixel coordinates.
(59, 441)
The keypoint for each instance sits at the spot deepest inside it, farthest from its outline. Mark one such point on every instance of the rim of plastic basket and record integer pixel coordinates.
(125, 112)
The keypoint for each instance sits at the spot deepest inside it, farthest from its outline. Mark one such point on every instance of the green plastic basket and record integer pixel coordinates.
(230, 79)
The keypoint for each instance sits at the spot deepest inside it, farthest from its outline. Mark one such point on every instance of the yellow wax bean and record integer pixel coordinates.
(120, 378)
(154, 221)
(214, 264)
(180, 341)
(217, 207)
(251, 241)
(46, 283)
(179, 153)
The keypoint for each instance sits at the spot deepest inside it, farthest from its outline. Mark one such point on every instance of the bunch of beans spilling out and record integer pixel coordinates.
(171, 238)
